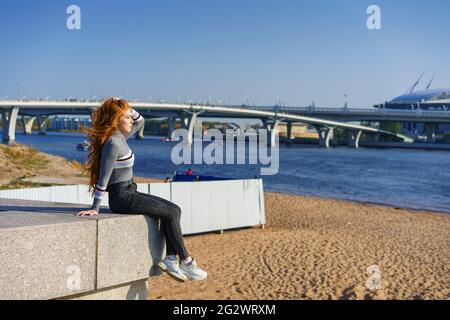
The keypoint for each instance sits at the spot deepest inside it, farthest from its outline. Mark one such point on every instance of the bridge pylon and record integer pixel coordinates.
(325, 134)
(171, 124)
(9, 121)
(140, 133)
(353, 138)
(43, 124)
(272, 128)
(188, 120)
(28, 124)
(289, 132)
(431, 132)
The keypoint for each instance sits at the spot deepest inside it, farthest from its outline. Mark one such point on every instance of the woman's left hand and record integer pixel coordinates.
(86, 213)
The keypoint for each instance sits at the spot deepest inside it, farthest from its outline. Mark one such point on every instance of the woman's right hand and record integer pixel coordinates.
(86, 213)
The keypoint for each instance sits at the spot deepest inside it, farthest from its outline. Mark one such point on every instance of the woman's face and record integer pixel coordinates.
(126, 122)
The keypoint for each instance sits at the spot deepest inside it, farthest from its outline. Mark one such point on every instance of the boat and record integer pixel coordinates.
(188, 176)
(84, 146)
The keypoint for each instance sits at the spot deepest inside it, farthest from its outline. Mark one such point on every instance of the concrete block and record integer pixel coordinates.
(136, 290)
(114, 252)
(43, 256)
(128, 249)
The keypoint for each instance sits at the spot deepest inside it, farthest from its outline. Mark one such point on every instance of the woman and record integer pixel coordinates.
(110, 165)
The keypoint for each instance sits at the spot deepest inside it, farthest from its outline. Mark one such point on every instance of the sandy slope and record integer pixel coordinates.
(24, 166)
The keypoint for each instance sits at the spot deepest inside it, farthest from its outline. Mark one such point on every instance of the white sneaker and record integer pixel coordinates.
(172, 268)
(192, 271)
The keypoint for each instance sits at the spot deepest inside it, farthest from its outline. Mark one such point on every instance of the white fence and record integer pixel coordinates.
(206, 205)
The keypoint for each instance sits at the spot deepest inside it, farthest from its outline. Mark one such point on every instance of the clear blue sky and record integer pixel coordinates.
(228, 50)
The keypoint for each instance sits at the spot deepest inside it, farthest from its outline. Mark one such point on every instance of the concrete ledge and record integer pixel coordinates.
(136, 290)
(46, 252)
(40, 252)
(128, 249)
(206, 205)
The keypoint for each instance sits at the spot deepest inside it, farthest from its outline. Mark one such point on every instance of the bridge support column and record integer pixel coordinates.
(9, 121)
(140, 133)
(272, 129)
(376, 137)
(274, 133)
(188, 122)
(353, 138)
(266, 124)
(184, 119)
(325, 134)
(43, 123)
(431, 132)
(335, 141)
(28, 124)
(171, 122)
(289, 132)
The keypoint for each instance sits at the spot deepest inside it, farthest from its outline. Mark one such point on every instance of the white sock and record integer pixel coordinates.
(187, 261)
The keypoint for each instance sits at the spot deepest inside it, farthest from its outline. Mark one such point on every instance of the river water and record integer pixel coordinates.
(418, 179)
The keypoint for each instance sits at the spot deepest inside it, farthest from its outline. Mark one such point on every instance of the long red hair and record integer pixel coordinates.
(105, 121)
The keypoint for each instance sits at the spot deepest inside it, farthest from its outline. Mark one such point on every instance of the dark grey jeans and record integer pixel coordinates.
(124, 198)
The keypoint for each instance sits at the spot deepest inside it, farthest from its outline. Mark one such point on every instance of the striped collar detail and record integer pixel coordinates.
(125, 161)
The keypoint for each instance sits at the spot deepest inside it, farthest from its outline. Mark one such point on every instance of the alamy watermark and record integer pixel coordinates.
(374, 20)
(73, 21)
(213, 153)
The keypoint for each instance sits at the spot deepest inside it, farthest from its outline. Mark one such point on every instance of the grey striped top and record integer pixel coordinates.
(116, 161)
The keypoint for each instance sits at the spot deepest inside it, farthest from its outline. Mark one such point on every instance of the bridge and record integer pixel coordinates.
(430, 118)
(364, 114)
(188, 114)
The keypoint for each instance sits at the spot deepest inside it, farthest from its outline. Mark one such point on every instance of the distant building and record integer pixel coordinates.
(427, 100)
(432, 99)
